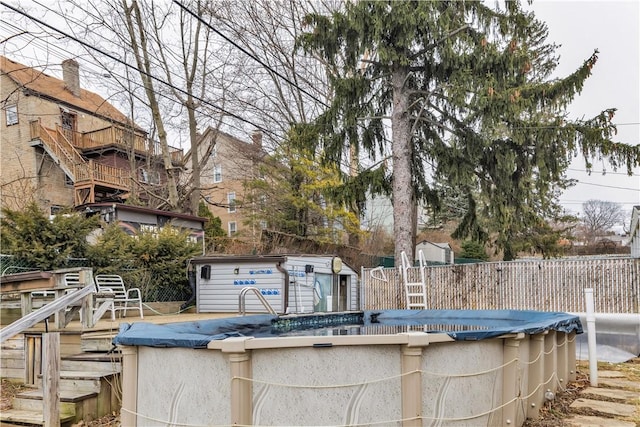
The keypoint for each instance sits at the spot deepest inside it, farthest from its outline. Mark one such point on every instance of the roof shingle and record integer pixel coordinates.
(39, 82)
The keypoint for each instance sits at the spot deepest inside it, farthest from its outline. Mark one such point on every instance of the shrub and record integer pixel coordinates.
(474, 250)
(45, 243)
(154, 261)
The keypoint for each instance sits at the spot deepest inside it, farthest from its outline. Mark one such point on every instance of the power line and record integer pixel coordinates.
(113, 57)
(563, 202)
(35, 39)
(603, 172)
(87, 69)
(250, 55)
(609, 186)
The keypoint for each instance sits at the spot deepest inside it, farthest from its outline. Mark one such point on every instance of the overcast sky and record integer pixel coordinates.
(612, 27)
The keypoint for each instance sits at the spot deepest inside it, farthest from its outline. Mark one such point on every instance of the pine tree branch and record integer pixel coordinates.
(437, 42)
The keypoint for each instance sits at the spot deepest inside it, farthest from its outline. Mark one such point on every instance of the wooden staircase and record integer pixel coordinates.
(88, 389)
(86, 174)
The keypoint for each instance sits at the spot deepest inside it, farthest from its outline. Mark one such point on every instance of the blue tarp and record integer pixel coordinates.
(465, 325)
(487, 323)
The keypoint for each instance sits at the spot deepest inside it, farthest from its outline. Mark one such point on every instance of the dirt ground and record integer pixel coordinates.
(553, 414)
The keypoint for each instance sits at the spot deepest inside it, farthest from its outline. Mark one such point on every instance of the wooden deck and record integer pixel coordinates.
(106, 324)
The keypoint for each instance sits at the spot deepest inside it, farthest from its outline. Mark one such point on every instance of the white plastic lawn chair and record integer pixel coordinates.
(123, 299)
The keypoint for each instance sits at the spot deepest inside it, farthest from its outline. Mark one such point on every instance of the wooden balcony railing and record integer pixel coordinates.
(87, 174)
(109, 136)
(127, 139)
(104, 175)
(61, 147)
(82, 171)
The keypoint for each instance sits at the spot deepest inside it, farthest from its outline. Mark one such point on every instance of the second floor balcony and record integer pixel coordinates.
(126, 140)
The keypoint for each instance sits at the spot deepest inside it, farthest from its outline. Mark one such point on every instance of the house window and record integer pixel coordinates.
(231, 199)
(149, 177)
(232, 228)
(68, 181)
(11, 114)
(217, 173)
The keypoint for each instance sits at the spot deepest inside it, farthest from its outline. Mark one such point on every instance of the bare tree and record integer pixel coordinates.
(599, 216)
(279, 85)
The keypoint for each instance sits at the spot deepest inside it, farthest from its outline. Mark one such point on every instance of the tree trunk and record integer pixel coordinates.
(195, 158)
(141, 52)
(402, 149)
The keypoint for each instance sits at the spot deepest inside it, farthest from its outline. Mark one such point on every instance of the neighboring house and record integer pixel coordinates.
(227, 163)
(635, 232)
(435, 252)
(378, 214)
(133, 219)
(67, 146)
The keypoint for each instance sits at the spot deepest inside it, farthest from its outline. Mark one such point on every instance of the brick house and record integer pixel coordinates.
(227, 163)
(66, 146)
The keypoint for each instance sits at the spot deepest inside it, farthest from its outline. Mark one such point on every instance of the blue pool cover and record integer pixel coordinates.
(458, 324)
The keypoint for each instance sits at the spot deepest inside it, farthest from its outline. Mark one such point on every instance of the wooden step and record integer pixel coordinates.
(30, 417)
(98, 341)
(101, 362)
(100, 383)
(82, 405)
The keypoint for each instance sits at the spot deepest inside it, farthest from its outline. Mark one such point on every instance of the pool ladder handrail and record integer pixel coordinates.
(242, 303)
(415, 292)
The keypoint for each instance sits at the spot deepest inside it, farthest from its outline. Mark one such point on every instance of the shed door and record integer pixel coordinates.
(322, 292)
(331, 292)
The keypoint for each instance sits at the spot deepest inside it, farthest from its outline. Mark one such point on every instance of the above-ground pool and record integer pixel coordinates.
(393, 367)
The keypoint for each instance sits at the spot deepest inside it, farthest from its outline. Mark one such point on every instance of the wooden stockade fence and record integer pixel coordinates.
(546, 285)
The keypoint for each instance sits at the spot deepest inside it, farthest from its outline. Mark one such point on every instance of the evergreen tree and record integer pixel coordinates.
(213, 232)
(45, 243)
(298, 193)
(473, 250)
(468, 93)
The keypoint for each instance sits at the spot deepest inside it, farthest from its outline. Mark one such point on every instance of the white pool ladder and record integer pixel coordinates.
(415, 292)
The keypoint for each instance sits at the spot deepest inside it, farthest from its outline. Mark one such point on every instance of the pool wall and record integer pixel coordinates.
(409, 379)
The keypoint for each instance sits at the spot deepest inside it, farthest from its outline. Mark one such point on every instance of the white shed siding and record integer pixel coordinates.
(220, 293)
(301, 283)
(435, 253)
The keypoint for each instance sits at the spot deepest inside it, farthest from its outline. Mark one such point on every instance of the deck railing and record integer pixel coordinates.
(82, 171)
(127, 139)
(546, 285)
(100, 174)
(60, 147)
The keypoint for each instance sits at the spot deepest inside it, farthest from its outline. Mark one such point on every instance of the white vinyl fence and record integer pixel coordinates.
(545, 285)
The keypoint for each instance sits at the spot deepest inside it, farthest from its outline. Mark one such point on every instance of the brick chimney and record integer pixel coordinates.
(71, 76)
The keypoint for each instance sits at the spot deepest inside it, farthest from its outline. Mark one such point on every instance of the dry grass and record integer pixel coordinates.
(8, 390)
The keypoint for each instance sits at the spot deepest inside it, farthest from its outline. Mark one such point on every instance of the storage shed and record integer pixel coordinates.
(289, 283)
(435, 252)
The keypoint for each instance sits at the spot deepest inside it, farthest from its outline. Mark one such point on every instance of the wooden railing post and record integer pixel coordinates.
(51, 378)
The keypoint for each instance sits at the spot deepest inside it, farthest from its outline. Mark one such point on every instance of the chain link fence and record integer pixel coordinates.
(12, 265)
